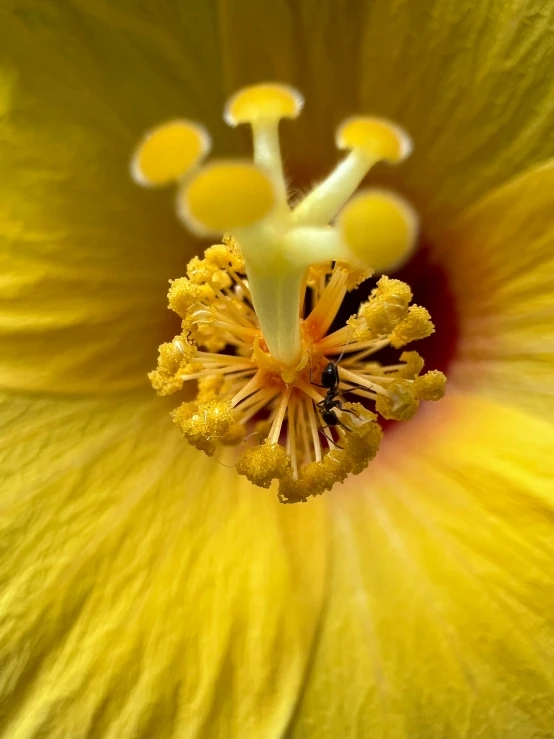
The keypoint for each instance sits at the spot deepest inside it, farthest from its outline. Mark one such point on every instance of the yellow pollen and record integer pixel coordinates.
(415, 326)
(431, 386)
(385, 309)
(257, 309)
(263, 464)
(202, 424)
(400, 403)
(413, 365)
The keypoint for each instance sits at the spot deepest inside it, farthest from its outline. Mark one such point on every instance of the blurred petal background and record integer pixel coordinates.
(147, 591)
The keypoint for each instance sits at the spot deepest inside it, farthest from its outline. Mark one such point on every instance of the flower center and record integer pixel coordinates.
(257, 309)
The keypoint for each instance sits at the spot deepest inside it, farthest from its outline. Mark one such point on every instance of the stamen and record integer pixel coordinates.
(291, 438)
(327, 307)
(358, 380)
(275, 431)
(255, 384)
(314, 431)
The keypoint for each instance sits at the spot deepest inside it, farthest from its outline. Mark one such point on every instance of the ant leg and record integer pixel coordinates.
(343, 426)
(338, 405)
(342, 354)
(329, 438)
(354, 387)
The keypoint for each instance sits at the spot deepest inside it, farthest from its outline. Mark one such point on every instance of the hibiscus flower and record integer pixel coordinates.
(149, 591)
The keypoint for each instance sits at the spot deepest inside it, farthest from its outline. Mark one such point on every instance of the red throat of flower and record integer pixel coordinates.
(274, 378)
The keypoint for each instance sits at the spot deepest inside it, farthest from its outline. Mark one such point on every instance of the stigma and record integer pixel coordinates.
(257, 310)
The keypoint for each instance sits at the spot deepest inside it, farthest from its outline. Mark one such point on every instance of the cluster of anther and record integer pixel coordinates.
(295, 434)
(271, 378)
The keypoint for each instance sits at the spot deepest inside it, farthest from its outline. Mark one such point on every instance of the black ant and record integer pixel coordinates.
(330, 381)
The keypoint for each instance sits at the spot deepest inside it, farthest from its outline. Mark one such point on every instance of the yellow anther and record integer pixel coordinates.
(223, 256)
(317, 477)
(431, 386)
(263, 464)
(173, 358)
(202, 424)
(200, 326)
(362, 445)
(183, 294)
(399, 403)
(386, 307)
(221, 280)
(359, 329)
(377, 138)
(263, 102)
(314, 478)
(294, 491)
(168, 152)
(336, 465)
(416, 325)
(200, 313)
(379, 229)
(414, 365)
(359, 416)
(226, 196)
(202, 271)
(355, 276)
(395, 295)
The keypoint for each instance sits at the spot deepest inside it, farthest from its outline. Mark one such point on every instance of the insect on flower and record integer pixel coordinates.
(330, 404)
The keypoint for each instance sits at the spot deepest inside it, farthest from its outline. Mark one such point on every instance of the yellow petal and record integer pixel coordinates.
(499, 258)
(85, 254)
(439, 613)
(465, 79)
(147, 591)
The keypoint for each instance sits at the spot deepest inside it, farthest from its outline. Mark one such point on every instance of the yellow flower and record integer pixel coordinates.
(149, 591)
